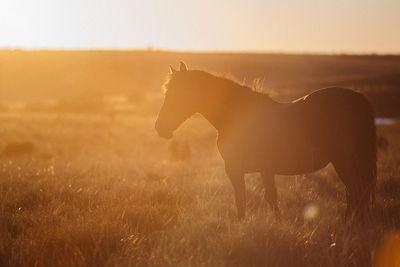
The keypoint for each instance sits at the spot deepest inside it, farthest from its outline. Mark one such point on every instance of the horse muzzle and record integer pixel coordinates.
(166, 135)
(162, 132)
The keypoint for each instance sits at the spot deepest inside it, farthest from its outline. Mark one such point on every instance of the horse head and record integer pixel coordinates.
(179, 102)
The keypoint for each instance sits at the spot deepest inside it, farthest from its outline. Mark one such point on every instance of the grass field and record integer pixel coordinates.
(100, 188)
(105, 190)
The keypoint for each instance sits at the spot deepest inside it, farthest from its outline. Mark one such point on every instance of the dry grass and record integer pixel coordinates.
(101, 191)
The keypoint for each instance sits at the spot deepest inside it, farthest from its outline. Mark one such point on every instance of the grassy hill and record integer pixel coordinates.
(62, 74)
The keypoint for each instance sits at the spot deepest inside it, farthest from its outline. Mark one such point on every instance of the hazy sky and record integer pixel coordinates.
(285, 25)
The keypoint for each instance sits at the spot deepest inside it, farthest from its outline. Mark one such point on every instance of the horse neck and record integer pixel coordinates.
(228, 105)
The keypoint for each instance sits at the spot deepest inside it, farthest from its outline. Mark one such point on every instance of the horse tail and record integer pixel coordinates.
(368, 153)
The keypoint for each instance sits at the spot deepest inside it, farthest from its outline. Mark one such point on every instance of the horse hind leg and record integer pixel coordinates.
(349, 171)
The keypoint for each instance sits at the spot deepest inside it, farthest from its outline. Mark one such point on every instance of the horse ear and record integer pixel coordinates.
(182, 66)
(172, 70)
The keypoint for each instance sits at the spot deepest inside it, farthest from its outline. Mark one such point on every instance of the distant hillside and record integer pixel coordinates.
(35, 75)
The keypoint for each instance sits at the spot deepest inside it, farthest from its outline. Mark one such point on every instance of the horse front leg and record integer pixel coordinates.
(239, 188)
(271, 195)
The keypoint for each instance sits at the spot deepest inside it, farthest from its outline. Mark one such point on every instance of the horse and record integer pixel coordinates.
(257, 134)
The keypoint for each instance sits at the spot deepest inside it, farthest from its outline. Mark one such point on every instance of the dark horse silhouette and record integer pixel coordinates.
(257, 134)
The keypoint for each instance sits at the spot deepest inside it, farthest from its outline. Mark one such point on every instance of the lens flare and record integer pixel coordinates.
(310, 212)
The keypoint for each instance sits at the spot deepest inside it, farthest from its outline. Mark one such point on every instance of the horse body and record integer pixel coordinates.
(257, 134)
(287, 139)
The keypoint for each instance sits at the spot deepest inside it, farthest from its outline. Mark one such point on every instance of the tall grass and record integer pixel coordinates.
(107, 192)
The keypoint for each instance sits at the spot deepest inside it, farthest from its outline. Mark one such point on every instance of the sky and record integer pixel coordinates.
(323, 26)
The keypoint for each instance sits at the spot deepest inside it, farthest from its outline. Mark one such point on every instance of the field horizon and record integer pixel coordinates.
(36, 75)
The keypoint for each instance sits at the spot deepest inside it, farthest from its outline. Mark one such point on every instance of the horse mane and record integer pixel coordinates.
(222, 82)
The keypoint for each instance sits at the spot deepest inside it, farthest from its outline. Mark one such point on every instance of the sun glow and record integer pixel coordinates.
(335, 26)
